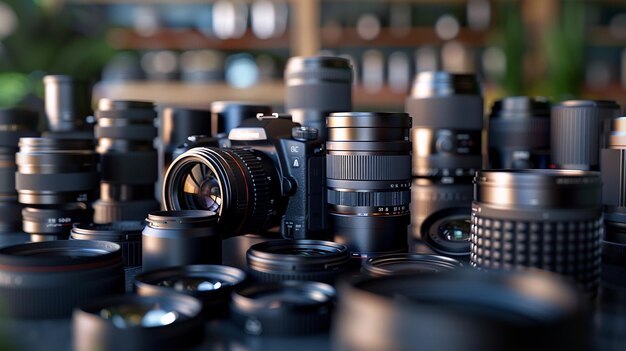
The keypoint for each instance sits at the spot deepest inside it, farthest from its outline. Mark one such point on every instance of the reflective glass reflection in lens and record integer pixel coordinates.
(193, 283)
(455, 230)
(201, 189)
(301, 251)
(127, 316)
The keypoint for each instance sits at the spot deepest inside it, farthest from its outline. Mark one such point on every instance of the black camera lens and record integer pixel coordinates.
(178, 238)
(16, 123)
(368, 172)
(241, 186)
(283, 308)
(55, 171)
(447, 112)
(129, 322)
(48, 279)
(211, 284)
(54, 222)
(547, 219)
(577, 129)
(226, 115)
(447, 231)
(315, 260)
(519, 133)
(68, 103)
(460, 310)
(394, 264)
(127, 234)
(128, 160)
(317, 86)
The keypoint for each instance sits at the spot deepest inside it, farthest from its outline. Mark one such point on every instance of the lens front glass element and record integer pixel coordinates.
(455, 230)
(201, 189)
(193, 283)
(126, 316)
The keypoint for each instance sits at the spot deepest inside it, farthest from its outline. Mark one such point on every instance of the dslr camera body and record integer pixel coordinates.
(273, 173)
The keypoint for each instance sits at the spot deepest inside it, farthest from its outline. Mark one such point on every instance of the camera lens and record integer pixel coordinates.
(48, 279)
(547, 219)
(283, 308)
(315, 260)
(68, 103)
(127, 234)
(178, 238)
(54, 222)
(447, 112)
(55, 171)
(460, 310)
(315, 87)
(128, 160)
(519, 133)
(576, 132)
(368, 176)
(395, 264)
(447, 231)
(129, 322)
(211, 284)
(241, 186)
(226, 115)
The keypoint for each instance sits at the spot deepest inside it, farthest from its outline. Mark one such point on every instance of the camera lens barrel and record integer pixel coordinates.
(577, 132)
(55, 171)
(108, 324)
(519, 133)
(283, 308)
(178, 238)
(460, 310)
(127, 234)
(226, 115)
(54, 221)
(48, 279)
(67, 103)
(396, 264)
(317, 86)
(368, 174)
(547, 219)
(314, 260)
(211, 284)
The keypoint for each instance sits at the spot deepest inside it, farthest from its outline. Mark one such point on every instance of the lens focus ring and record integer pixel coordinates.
(368, 167)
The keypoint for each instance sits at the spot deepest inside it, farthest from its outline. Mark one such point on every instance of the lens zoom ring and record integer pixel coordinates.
(368, 167)
(569, 248)
(260, 187)
(369, 198)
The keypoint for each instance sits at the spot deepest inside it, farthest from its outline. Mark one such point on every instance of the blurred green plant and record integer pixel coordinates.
(513, 46)
(48, 38)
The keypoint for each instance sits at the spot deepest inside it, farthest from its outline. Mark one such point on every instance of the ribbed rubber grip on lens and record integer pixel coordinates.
(575, 137)
(260, 189)
(369, 198)
(368, 167)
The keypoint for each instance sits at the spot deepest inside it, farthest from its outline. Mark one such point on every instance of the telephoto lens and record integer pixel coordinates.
(317, 86)
(55, 171)
(577, 130)
(178, 238)
(67, 104)
(315, 260)
(396, 264)
(48, 279)
(128, 160)
(284, 308)
(460, 310)
(613, 166)
(211, 284)
(447, 112)
(368, 175)
(54, 222)
(226, 115)
(134, 323)
(519, 133)
(547, 219)
(14, 124)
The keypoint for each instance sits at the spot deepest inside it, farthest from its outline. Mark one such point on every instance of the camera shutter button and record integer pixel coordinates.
(304, 133)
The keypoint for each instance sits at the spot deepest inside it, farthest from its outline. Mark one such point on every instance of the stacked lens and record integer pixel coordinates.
(577, 132)
(613, 166)
(128, 160)
(368, 167)
(14, 124)
(316, 86)
(547, 219)
(519, 133)
(56, 179)
(447, 112)
(68, 107)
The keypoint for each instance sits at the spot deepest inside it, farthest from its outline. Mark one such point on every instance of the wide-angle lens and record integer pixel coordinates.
(368, 167)
(48, 279)
(547, 219)
(395, 264)
(315, 260)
